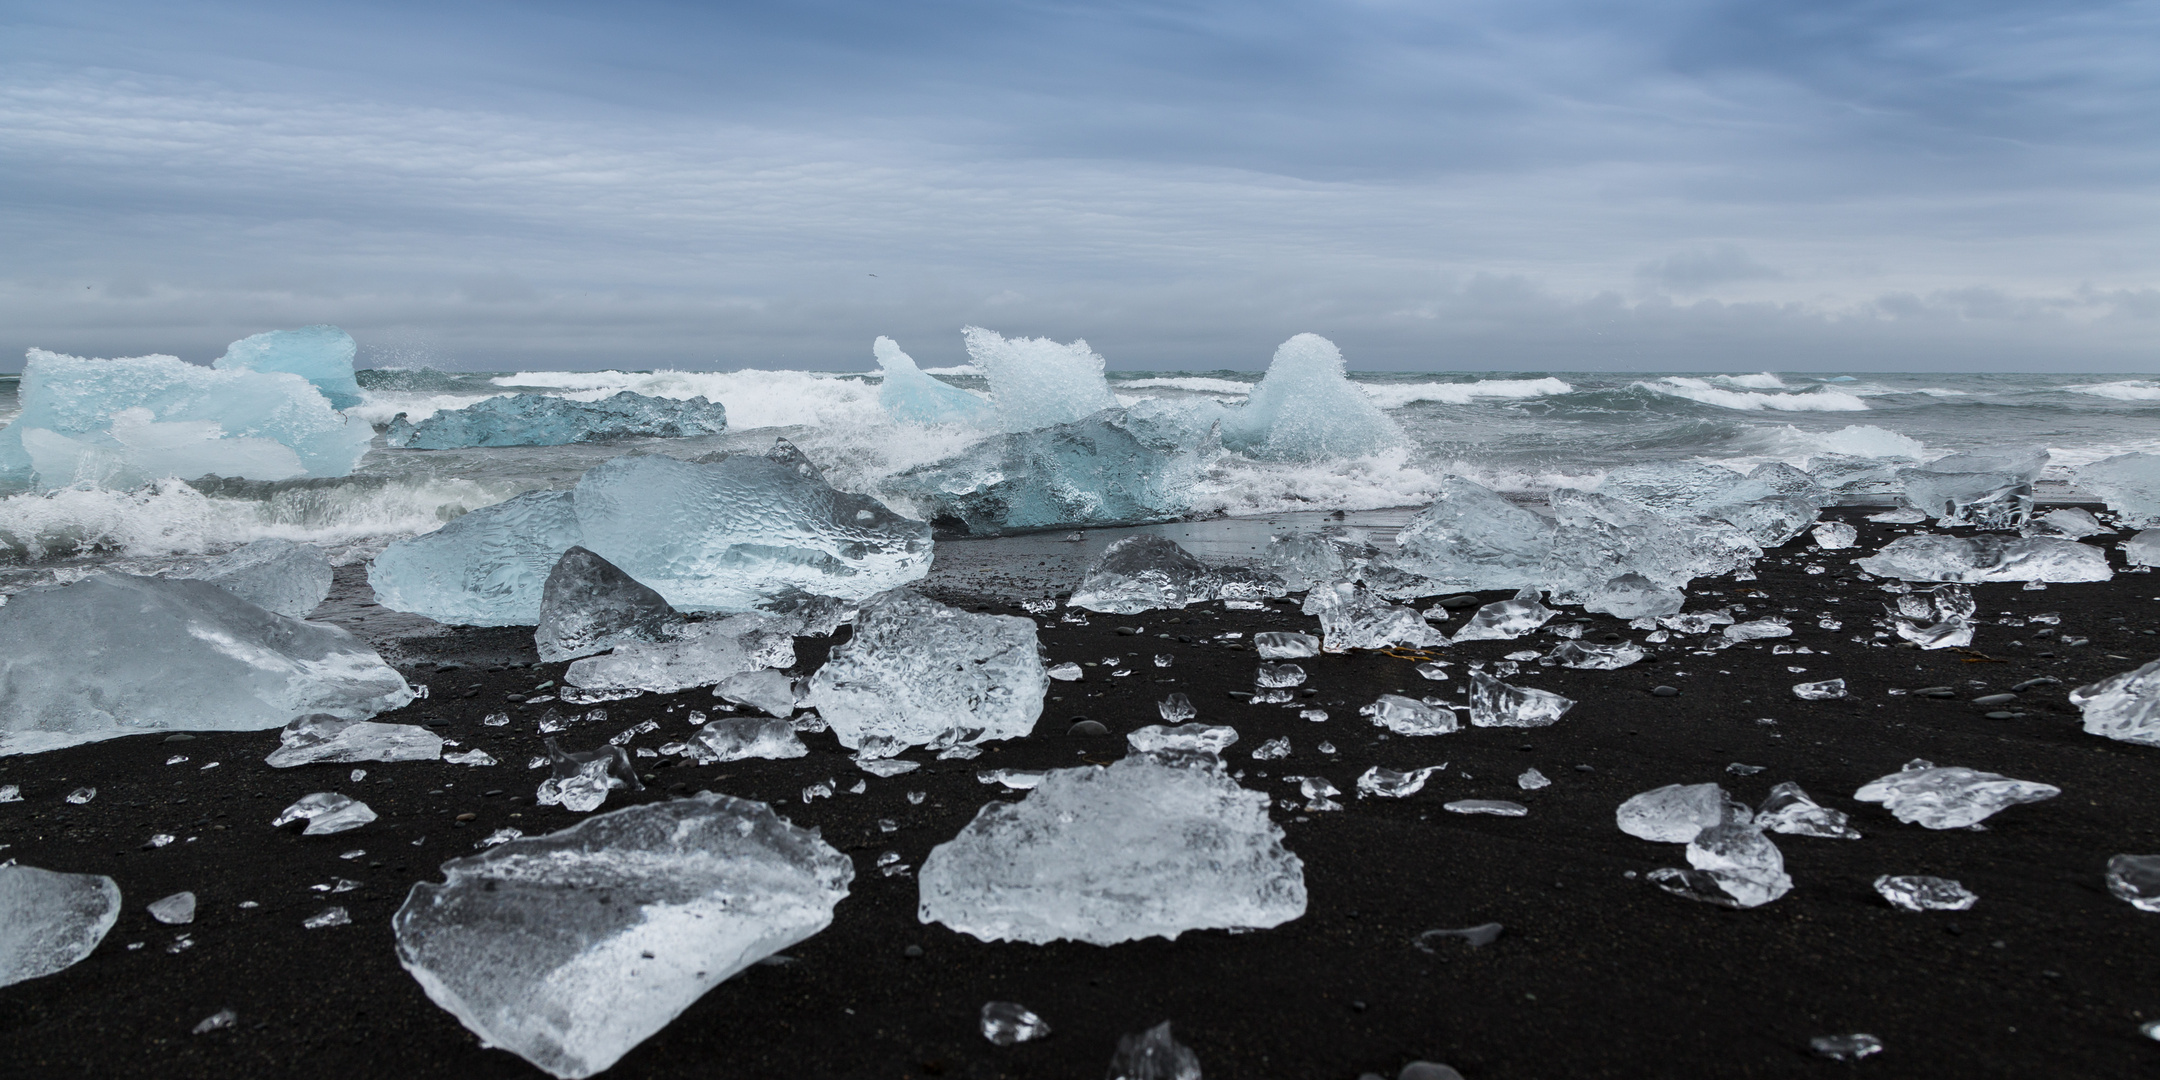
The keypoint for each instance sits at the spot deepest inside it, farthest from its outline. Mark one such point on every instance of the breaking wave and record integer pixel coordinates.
(2124, 390)
(1398, 395)
(1818, 399)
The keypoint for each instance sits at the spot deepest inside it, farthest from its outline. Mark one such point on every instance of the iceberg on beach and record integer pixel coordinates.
(1036, 382)
(2129, 484)
(1305, 409)
(486, 568)
(277, 575)
(115, 655)
(1472, 537)
(546, 420)
(323, 355)
(913, 397)
(1148, 572)
(917, 672)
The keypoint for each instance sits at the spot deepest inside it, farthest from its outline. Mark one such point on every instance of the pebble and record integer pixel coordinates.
(1665, 691)
(1462, 601)
(1085, 726)
(912, 952)
(1994, 699)
(2001, 715)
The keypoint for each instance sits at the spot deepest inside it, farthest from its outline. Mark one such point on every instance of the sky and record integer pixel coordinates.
(1841, 185)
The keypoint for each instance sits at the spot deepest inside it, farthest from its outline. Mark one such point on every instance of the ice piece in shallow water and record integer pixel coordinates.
(771, 692)
(1825, 690)
(326, 812)
(1306, 409)
(50, 920)
(321, 737)
(588, 605)
(1352, 618)
(2129, 484)
(1496, 704)
(1531, 780)
(115, 654)
(1409, 716)
(275, 575)
(1190, 738)
(1916, 892)
(1978, 559)
(1005, 1023)
(2124, 706)
(1835, 536)
(1507, 619)
(1633, 596)
(1284, 645)
(1036, 382)
(1496, 807)
(547, 420)
(2135, 880)
(912, 396)
(1390, 784)
(1949, 797)
(1845, 1047)
(1745, 864)
(323, 355)
(487, 568)
(1472, 537)
(1176, 709)
(1153, 1055)
(569, 949)
(1153, 845)
(1589, 657)
(1789, 810)
(175, 910)
(922, 672)
(1673, 814)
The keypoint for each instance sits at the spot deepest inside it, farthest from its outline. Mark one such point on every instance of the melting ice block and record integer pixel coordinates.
(323, 355)
(1735, 865)
(2129, 484)
(1599, 538)
(1496, 704)
(588, 605)
(1949, 797)
(1285, 645)
(1992, 491)
(546, 420)
(914, 397)
(1036, 382)
(320, 737)
(1835, 536)
(1352, 618)
(1589, 657)
(2142, 549)
(924, 673)
(699, 654)
(1146, 572)
(1472, 537)
(487, 568)
(2124, 706)
(1633, 596)
(115, 654)
(326, 812)
(1153, 845)
(1306, 409)
(1977, 559)
(2070, 522)
(1673, 814)
(774, 693)
(276, 575)
(1153, 1055)
(569, 949)
(50, 920)
(1189, 738)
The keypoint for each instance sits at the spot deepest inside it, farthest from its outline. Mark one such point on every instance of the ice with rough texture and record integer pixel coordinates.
(1532, 780)
(115, 654)
(1507, 619)
(2129, 484)
(1673, 814)
(774, 693)
(1153, 1055)
(1189, 738)
(1495, 807)
(1633, 596)
(1177, 708)
(1591, 657)
(1153, 845)
(1835, 536)
(1333, 553)
(2124, 706)
(49, 920)
(1747, 867)
(1823, 690)
(175, 910)
(1472, 537)
(1789, 810)
(486, 568)
(547, 420)
(700, 654)
(924, 673)
(1409, 716)
(2135, 880)
(320, 737)
(569, 949)
(735, 534)
(1496, 704)
(1949, 797)
(326, 812)
(323, 355)
(2075, 523)
(275, 575)
(588, 605)
(1305, 409)
(1599, 538)
(1146, 572)
(1352, 618)
(1918, 892)
(1006, 1023)
(122, 423)
(1392, 784)
(1037, 382)
(1979, 559)
(912, 396)
(1285, 645)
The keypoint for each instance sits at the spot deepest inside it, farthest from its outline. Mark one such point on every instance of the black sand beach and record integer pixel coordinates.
(1597, 974)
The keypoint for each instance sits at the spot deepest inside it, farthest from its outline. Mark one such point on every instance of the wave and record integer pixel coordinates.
(1197, 384)
(1701, 391)
(754, 398)
(2124, 390)
(1764, 381)
(1397, 395)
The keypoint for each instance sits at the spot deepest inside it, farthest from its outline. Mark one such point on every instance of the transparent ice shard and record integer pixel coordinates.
(1531, 780)
(912, 396)
(1146, 572)
(326, 812)
(1333, 553)
(1949, 797)
(1748, 869)
(1789, 810)
(579, 781)
(1473, 538)
(1353, 618)
(1695, 622)
(569, 949)
(1390, 784)
(1507, 619)
(1917, 892)
(217, 1021)
(1274, 675)
(772, 692)
(115, 654)
(1835, 536)
(1591, 657)
(326, 918)
(1065, 672)
(699, 654)
(1190, 738)
(2129, 484)
(1153, 1055)
(1284, 645)
(275, 575)
(175, 910)
(1845, 1047)
(2135, 880)
(1984, 558)
(1037, 382)
(1903, 515)
(1824, 690)
(1990, 500)
(1599, 538)
(546, 420)
(588, 605)
(1176, 709)
(1633, 596)
(1409, 716)
(81, 795)
(2074, 523)
(1673, 814)
(1306, 409)
(320, 737)
(922, 672)
(475, 757)
(486, 568)
(1005, 1023)
(2124, 706)
(1496, 704)
(1153, 845)
(1495, 807)
(1758, 629)
(51, 920)
(1317, 791)
(1272, 750)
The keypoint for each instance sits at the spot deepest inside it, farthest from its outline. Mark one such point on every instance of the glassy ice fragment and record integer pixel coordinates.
(488, 567)
(1695, 622)
(1352, 618)
(2135, 879)
(734, 738)
(1673, 814)
(1633, 596)
(1317, 791)
(1915, 892)
(1191, 738)
(1153, 1055)
(1758, 629)
(1005, 1023)
(1281, 645)
(1745, 864)
(217, 1021)
(2124, 706)
(770, 692)
(50, 920)
(1789, 810)
(327, 917)
(1591, 657)
(1472, 538)
(1497, 807)
(1146, 572)
(885, 767)
(1496, 704)
(700, 654)
(1409, 716)
(1390, 784)
(1531, 780)
(1176, 709)
(1011, 779)
(1949, 797)
(1272, 750)
(549, 420)
(1845, 1047)
(1835, 535)
(923, 672)
(1826, 690)
(1273, 675)
(275, 575)
(2129, 484)
(321, 737)
(2070, 522)
(1065, 672)
(175, 910)
(1433, 671)
(588, 605)
(81, 795)
(475, 757)
(1980, 559)
(569, 949)
(1988, 499)
(1506, 620)
(326, 812)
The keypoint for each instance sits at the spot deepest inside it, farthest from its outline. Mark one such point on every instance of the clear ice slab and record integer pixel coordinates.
(1746, 866)
(1592, 657)
(588, 605)
(1507, 619)
(1990, 500)
(700, 654)
(1949, 797)
(547, 420)
(1152, 845)
(1472, 538)
(275, 575)
(1392, 783)
(913, 396)
(486, 568)
(1918, 892)
(49, 920)
(320, 737)
(1673, 814)
(1284, 645)
(570, 949)
(1190, 738)
(115, 654)
(1409, 716)
(326, 812)
(1789, 810)
(921, 672)
(1153, 1055)
(1146, 572)
(775, 693)
(579, 780)
(1306, 409)
(1352, 618)
(1633, 596)
(1978, 559)
(2124, 707)
(1496, 704)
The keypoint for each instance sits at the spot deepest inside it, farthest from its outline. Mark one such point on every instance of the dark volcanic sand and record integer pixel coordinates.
(1597, 974)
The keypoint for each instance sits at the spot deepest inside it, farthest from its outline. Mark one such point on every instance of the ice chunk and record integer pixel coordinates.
(1409, 716)
(175, 910)
(1695, 622)
(733, 534)
(1578, 654)
(1670, 485)
(1275, 675)
(1272, 750)
(1758, 629)
(922, 672)
(701, 654)
(1282, 645)
(1673, 814)
(275, 575)
(1990, 500)
(1845, 1047)
(321, 737)
(914, 397)
(1334, 553)
(1835, 536)
(1825, 690)
(2124, 706)
(1190, 738)
(475, 757)
(323, 355)
(1352, 618)
(2134, 879)
(1473, 538)
(1145, 572)
(1390, 784)
(1153, 845)
(1789, 810)
(546, 420)
(1915, 892)
(569, 949)
(2072, 522)
(1976, 559)
(50, 920)
(1532, 780)
(1176, 709)
(1633, 596)
(1496, 807)
(2129, 484)
(326, 918)
(1153, 1055)
(1036, 382)
(1006, 1023)
(1599, 538)
(1949, 797)
(1065, 672)
(1507, 619)
(2142, 549)
(487, 568)
(588, 605)
(772, 692)
(117, 655)
(1496, 704)
(1305, 409)
(1745, 864)
(326, 812)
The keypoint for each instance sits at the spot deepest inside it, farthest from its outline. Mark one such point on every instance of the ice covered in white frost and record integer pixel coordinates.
(1145, 572)
(699, 654)
(275, 575)
(1036, 382)
(1673, 814)
(924, 673)
(2124, 706)
(588, 605)
(1496, 704)
(2129, 484)
(50, 920)
(1305, 409)
(1153, 845)
(1353, 618)
(914, 397)
(486, 568)
(1984, 558)
(115, 654)
(1506, 619)
(569, 949)
(549, 420)
(1949, 797)
(320, 737)
(323, 355)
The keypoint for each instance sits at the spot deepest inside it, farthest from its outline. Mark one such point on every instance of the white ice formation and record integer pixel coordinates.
(1188, 738)
(924, 673)
(275, 575)
(323, 355)
(588, 605)
(1146, 572)
(913, 397)
(1949, 797)
(1036, 382)
(2124, 706)
(1305, 409)
(320, 737)
(1974, 560)
(51, 920)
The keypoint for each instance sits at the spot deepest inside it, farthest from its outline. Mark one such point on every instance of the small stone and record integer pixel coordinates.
(1087, 727)
(1994, 699)
(1665, 691)
(1477, 937)
(217, 1021)
(912, 952)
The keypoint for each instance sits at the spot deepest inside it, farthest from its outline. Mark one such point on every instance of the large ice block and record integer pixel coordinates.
(486, 568)
(1036, 382)
(1496, 704)
(1983, 558)
(2124, 706)
(1145, 572)
(913, 397)
(572, 948)
(1153, 845)
(1351, 617)
(320, 737)
(1990, 500)
(1306, 559)
(50, 920)
(1473, 538)
(734, 534)
(923, 673)
(2129, 484)
(115, 654)
(277, 575)
(588, 605)
(1949, 797)
(697, 654)
(1599, 538)
(323, 355)
(546, 420)
(1305, 409)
